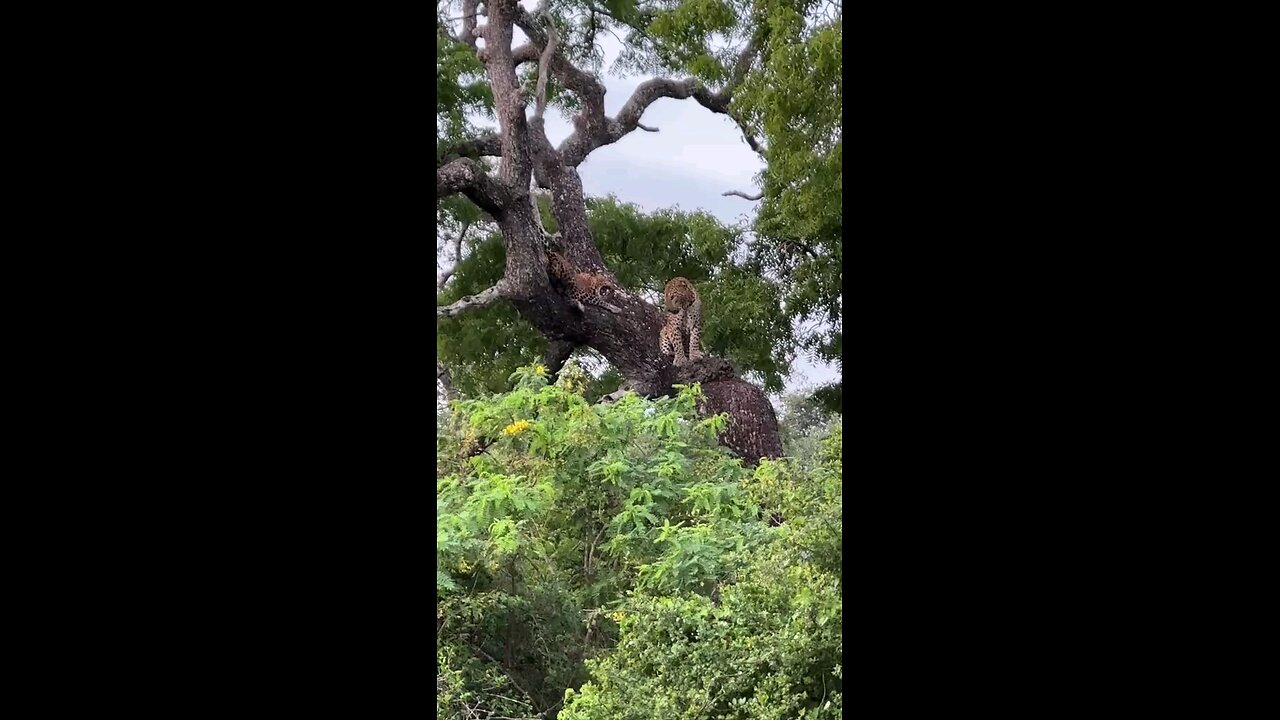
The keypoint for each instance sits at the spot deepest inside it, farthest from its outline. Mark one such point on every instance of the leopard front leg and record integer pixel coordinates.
(670, 341)
(693, 322)
(600, 302)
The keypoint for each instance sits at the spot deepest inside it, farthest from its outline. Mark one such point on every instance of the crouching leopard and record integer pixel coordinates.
(684, 318)
(580, 288)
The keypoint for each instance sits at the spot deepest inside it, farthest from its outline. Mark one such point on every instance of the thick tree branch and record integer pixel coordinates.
(743, 195)
(558, 352)
(488, 143)
(568, 204)
(577, 146)
(592, 135)
(465, 175)
(593, 128)
(507, 96)
(527, 52)
(484, 298)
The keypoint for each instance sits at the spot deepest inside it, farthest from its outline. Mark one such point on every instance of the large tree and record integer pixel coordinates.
(519, 78)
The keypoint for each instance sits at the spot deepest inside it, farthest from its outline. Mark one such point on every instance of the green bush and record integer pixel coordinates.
(617, 549)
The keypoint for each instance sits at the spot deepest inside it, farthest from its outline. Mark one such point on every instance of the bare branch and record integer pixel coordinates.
(582, 142)
(542, 71)
(743, 195)
(586, 138)
(740, 69)
(457, 256)
(719, 103)
(742, 65)
(593, 128)
(484, 298)
(527, 52)
(591, 135)
(616, 395)
(460, 17)
(468, 35)
(587, 88)
(749, 137)
(465, 175)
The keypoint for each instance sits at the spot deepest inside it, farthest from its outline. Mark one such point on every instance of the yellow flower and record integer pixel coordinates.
(515, 428)
(539, 369)
(617, 615)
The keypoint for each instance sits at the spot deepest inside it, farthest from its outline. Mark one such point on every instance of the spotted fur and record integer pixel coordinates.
(581, 288)
(684, 321)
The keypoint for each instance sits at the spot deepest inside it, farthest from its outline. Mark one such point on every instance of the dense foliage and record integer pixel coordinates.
(610, 561)
(795, 98)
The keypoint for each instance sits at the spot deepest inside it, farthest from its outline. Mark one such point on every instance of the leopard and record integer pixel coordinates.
(684, 317)
(582, 288)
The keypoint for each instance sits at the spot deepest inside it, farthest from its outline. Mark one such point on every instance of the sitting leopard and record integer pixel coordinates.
(684, 316)
(589, 288)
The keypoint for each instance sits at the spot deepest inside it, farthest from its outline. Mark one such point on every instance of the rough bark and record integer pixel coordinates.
(629, 338)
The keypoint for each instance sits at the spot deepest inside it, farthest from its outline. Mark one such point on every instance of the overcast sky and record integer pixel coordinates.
(694, 157)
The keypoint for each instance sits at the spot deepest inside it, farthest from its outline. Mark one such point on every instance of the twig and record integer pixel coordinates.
(512, 679)
(481, 445)
(743, 195)
(504, 697)
(586, 566)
